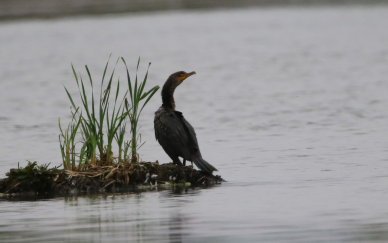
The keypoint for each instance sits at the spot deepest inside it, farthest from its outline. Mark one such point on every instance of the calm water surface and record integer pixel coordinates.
(290, 104)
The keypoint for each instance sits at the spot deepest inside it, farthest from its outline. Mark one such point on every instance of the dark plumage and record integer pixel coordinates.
(175, 134)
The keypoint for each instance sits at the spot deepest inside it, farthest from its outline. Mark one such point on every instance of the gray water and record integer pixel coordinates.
(290, 104)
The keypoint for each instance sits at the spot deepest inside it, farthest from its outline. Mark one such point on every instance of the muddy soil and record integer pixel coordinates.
(34, 179)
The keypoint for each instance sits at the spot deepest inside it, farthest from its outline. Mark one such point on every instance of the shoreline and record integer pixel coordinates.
(21, 9)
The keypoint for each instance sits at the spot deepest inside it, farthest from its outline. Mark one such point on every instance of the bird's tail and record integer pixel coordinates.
(204, 165)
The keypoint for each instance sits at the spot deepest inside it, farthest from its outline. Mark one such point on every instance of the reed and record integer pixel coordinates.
(90, 122)
(68, 144)
(137, 94)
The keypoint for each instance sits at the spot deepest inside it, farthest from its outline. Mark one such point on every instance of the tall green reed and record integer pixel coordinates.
(68, 137)
(91, 124)
(136, 95)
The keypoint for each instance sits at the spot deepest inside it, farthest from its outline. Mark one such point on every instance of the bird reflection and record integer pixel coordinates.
(175, 225)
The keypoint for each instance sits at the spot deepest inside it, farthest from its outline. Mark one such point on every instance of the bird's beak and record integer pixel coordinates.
(186, 76)
(189, 74)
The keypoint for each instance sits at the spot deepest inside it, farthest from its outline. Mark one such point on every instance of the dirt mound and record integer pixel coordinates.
(34, 179)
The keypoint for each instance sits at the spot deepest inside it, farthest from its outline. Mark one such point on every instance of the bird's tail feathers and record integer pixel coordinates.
(204, 165)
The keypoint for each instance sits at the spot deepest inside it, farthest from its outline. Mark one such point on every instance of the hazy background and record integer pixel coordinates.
(55, 8)
(289, 103)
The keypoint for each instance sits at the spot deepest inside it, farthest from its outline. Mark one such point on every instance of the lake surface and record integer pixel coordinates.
(290, 104)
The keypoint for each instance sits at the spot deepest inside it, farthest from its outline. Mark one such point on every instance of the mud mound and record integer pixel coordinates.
(34, 179)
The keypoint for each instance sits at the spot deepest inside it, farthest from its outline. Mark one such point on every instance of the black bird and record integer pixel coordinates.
(175, 134)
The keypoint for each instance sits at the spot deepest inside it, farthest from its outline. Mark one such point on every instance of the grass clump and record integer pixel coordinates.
(137, 94)
(33, 177)
(91, 121)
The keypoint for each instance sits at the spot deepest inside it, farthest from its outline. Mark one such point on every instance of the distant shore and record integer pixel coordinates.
(13, 9)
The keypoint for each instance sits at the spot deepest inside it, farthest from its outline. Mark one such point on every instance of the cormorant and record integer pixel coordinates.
(175, 134)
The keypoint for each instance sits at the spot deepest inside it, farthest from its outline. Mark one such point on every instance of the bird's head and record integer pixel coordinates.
(169, 86)
(180, 76)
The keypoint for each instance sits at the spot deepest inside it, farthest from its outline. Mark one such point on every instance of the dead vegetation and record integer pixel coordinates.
(34, 179)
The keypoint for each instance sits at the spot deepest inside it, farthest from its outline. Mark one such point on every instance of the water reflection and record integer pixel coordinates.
(176, 225)
(134, 215)
(145, 216)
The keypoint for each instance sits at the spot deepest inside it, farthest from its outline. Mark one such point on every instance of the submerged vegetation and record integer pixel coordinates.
(87, 146)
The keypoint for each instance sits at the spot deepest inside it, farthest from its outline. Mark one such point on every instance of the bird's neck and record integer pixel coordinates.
(168, 96)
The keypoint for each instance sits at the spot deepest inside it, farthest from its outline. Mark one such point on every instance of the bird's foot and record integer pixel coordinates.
(177, 163)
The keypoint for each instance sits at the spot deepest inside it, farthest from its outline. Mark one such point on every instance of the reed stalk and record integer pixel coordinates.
(68, 145)
(136, 96)
(91, 122)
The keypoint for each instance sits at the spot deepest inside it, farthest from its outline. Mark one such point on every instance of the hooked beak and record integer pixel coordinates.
(189, 74)
(186, 76)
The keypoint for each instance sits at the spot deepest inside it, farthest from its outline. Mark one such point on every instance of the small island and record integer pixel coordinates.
(90, 165)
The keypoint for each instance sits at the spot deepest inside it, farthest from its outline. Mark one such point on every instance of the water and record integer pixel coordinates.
(290, 104)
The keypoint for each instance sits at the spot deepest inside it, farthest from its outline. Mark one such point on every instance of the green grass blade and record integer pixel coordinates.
(151, 93)
(118, 89)
(90, 77)
(142, 85)
(71, 100)
(129, 79)
(106, 66)
(75, 75)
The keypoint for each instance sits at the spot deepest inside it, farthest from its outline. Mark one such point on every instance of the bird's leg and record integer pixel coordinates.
(177, 161)
(184, 162)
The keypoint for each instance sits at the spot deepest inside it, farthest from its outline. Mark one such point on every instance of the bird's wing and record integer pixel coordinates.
(191, 135)
(171, 133)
